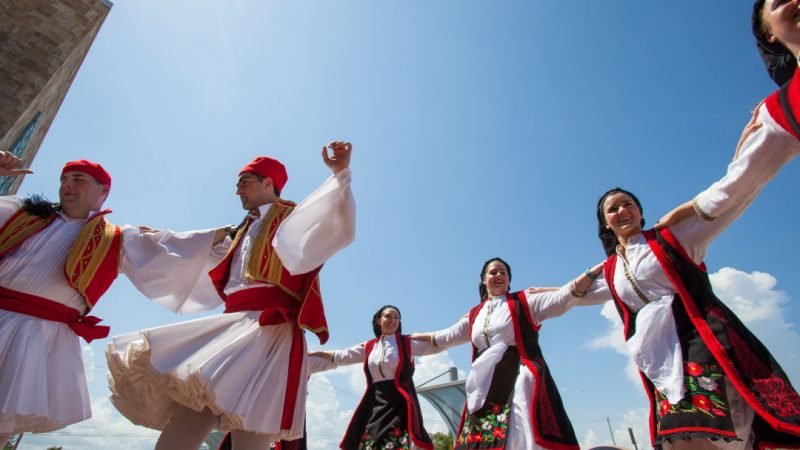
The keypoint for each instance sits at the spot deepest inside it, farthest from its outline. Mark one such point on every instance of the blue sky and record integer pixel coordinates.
(479, 129)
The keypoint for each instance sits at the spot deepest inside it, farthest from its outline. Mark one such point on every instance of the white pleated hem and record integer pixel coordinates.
(226, 363)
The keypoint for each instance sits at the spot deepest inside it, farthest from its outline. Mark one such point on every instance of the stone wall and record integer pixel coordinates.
(42, 46)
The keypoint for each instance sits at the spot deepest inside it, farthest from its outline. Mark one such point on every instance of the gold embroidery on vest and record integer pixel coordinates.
(263, 263)
(21, 226)
(88, 251)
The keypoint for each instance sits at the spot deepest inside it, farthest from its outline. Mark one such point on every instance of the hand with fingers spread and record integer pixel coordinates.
(340, 159)
(10, 165)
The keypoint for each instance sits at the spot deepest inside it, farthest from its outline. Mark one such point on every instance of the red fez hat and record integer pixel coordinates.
(92, 169)
(268, 168)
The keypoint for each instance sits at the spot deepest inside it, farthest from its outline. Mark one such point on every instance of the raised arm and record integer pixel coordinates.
(764, 150)
(324, 222)
(456, 334)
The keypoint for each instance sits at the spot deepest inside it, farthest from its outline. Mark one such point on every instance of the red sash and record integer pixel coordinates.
(31, 305)
(276, 307)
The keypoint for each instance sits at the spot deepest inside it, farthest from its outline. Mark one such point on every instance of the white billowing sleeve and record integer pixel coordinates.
(352, 355)
(9, 204)
(171, 268)
(551, 304)
(319, 364)
(321, 225)
(761, 156)
(598, 293)
(457, 334)
(421, 348)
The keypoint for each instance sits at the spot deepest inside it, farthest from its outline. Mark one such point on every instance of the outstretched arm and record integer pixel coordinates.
(547, 303)
(324, 222)
(692, 208)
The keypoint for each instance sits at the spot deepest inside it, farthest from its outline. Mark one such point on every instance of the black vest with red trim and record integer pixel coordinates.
(784, 106)
(702, 319)
(93, 261)
(550, 423)
(404, 382)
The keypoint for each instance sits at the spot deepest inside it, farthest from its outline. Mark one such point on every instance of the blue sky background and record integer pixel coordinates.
(479, 129)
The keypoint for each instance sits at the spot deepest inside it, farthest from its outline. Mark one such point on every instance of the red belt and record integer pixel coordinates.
(276, 307)
(31, 305)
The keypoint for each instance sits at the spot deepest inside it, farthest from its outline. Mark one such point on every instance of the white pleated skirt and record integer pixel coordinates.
(42, 381)
(227, 363)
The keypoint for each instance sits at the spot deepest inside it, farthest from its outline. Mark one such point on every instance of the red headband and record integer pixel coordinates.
(268, 168)
(90, 168)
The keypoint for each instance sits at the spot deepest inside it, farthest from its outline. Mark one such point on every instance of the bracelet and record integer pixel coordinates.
(332, 355)
(591, 275)
(699, 211)
(433, 340)
(574, 291)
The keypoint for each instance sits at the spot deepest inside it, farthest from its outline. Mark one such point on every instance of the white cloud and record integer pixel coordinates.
(325, 417)
(614, 339)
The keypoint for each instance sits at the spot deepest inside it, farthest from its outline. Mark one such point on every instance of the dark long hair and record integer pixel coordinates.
(482, 287)
(607, 237)
(376, 327)
(39, 206)
(778, 60)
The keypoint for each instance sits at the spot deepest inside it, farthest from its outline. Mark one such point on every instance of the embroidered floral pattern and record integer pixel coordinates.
(703, 392)
(396, 439)
(491, 427)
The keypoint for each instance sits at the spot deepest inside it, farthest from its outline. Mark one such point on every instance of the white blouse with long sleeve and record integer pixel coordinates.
(654, 347)
(383, 359)
(493, 333)
(761, 156)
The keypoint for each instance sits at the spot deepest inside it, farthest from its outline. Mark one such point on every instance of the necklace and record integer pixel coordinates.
(485, 329)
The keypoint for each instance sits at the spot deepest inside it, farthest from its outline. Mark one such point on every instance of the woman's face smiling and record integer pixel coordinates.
(389, 321)
(622, 215)
(781, 19)
(496, 279)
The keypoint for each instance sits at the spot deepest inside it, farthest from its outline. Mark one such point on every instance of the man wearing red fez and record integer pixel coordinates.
(244, 371)
(56, 261)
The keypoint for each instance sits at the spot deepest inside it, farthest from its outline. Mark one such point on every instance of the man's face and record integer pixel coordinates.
(80, 193)
(252, 192)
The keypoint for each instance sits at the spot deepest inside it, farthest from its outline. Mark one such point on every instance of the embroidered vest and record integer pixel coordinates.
(93, 261)
(551, 425)
(784, 106)
(265, 266)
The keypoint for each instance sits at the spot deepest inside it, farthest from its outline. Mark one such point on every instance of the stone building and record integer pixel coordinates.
(42, 45)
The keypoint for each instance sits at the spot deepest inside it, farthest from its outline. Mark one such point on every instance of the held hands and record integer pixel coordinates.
(340, 159)
(10, 165)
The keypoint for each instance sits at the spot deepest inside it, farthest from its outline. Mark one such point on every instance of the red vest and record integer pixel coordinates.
(93, 261)
(264, 265)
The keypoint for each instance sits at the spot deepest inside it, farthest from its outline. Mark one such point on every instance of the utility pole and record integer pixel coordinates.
(633, 439)
(611, 431)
